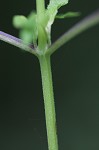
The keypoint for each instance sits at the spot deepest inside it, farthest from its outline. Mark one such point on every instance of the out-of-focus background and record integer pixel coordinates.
(75, 68)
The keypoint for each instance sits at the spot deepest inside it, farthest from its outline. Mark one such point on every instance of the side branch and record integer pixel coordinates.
(83, 25)
(16, 42)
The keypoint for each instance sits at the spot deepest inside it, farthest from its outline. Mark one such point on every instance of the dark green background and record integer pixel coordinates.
(75, 69)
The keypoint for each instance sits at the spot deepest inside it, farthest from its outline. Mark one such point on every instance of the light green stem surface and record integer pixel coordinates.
(46, 76)
(40, 7)
(49, 102)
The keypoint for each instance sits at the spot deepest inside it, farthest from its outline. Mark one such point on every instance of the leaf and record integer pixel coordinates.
(51, 13)
(26, 36)
(53, 7)
(32, 25)
(57, 3)
(19, 21)
(68, 15)
(28, 27)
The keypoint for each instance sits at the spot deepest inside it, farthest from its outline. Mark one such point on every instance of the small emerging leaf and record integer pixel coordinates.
(26, 36)
(28, 27)
(57, 3)
(51, 13)
(32, 25)
(53, 7)
(68, 15)
(19, 21)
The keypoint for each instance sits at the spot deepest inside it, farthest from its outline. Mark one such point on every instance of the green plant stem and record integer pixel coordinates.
(40, 6)
(49, 102)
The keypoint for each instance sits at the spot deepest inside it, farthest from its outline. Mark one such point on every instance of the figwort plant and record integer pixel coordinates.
(35, 37)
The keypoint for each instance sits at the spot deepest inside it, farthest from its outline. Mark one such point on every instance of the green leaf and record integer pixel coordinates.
(26, 36)
(51, 13)
(19, 21)
(32, 25)
(57, 3)
(53, 7)
(68, 15)
(28, 27)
